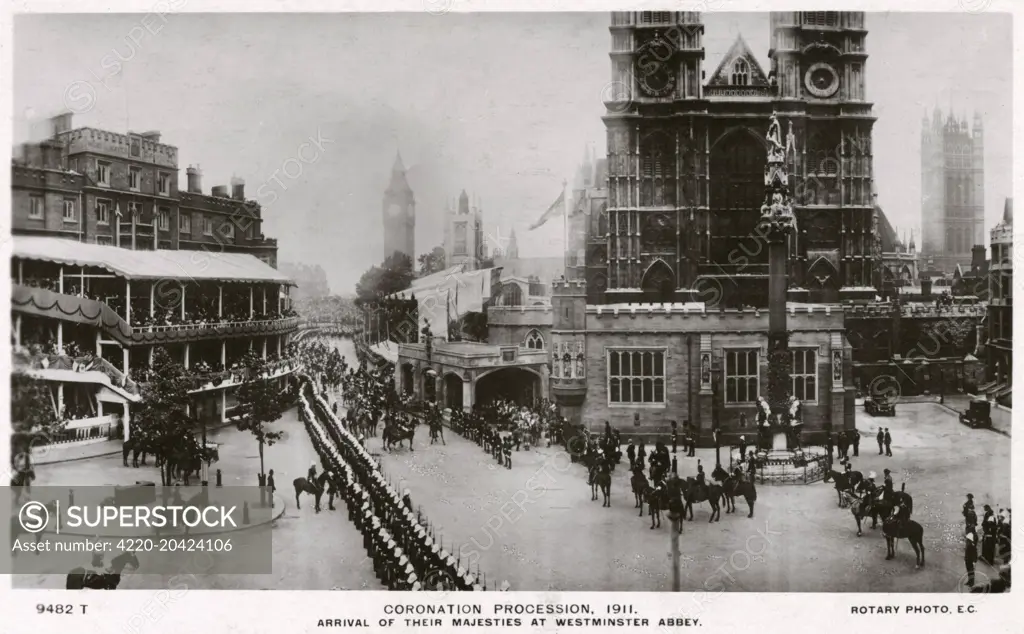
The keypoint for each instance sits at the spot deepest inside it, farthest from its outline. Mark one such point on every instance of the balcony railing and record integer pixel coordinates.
(84, 310)
(25, 359)
(82, 430)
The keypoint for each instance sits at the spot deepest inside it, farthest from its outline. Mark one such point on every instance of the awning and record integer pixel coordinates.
(108, 395)
(212, 265)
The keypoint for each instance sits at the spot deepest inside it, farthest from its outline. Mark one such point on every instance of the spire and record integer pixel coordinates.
(463, 202)
(398, 184)
(512, 250)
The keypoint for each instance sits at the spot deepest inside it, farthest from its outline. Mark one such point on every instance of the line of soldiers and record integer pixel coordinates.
(404, 553)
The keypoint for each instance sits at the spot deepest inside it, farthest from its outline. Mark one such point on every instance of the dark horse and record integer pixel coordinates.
(657, 501)
(894, 529)
(869, 505)
(436, 431)
(314, 488)
(734, 487)
(640, 487)
(393, 435)
(601, 478)
(695, 494)
(845, 482)
(82, 579)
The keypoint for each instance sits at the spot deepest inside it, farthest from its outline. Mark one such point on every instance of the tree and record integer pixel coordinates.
(432, 262)
(165, 427)
(32, 417)
(259, 402)
(393, 275)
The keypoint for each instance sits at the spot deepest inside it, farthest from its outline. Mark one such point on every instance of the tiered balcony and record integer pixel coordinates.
(47, 303)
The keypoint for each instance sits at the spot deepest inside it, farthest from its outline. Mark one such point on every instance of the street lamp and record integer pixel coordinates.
(677, 519)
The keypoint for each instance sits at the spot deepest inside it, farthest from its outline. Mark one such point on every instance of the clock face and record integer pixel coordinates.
(654, 68)
(822, 80)
(394, 211)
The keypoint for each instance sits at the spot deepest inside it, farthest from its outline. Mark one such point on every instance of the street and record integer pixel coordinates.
(535, 525)
(311, 551)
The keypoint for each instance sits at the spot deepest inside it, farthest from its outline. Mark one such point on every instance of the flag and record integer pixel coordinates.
(558, 205)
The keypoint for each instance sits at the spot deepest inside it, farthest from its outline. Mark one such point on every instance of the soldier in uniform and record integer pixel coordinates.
(988, 536)
(743, 447)
(751, 464)
(631, 454)
(508, 452)
(887, 488)
(641, 456)
(856, 442)
(970, 517)
(880, 437)
(700, 476)
(867, 486)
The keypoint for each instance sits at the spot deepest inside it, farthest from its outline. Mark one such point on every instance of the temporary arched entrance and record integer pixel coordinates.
(453, 391)
(408, 378)
(429, 385)
(518, 385)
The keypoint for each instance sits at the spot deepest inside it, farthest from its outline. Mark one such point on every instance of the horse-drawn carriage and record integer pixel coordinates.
(879, 406)
(978, 414)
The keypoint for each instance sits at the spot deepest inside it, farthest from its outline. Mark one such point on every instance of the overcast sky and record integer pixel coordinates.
(502, 105)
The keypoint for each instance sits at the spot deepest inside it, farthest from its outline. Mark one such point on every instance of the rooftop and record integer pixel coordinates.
(149, 265)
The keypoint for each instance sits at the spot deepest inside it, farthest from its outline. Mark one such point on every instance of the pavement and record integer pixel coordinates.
(310, 551)
(536, 526)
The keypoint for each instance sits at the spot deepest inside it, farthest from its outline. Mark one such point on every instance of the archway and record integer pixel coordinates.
(659, 282)
(453, 391)
(514, 384)
(429, 385)
(408, 376)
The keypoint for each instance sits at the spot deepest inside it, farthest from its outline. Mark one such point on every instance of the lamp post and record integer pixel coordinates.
(716, 373)
(677, 519)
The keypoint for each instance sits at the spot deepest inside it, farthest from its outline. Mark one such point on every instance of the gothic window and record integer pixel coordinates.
(740, 73)
(659, 282)
(659, 233)
(742, 375)
(511, 295)
(533, 341)
(821, 18)
(460, 239)
(636, 376)
(804, 374)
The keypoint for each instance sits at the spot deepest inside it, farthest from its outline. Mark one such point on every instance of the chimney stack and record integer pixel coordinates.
(195, 180)
(237, 188)
(220, 191)
(51, 151)
(151, 135)
(60, 123)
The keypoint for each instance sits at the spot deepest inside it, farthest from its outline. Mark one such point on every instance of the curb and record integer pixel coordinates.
(278, 503)
(958, 412)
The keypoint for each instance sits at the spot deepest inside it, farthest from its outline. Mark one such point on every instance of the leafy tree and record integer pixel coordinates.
(393, 275)
(259, 402)
(165, 427)
(432, 262)
(32, 418)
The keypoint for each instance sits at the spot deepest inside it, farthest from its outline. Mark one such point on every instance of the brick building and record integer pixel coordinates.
(108, 188)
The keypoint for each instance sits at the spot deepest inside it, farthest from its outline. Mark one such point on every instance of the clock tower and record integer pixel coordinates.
(399, 212)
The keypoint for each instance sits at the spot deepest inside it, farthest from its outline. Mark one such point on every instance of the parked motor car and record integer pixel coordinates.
(978, 414)
(879, 406)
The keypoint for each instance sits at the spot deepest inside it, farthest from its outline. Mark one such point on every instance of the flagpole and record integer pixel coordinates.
(565, 226)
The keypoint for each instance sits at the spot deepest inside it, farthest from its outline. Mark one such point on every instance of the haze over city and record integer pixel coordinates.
(501, 105)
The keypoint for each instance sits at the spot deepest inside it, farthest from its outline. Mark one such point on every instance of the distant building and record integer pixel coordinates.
(399, 214)
(464, 235)
(1000, 306)
(952, 189)
(588, 223)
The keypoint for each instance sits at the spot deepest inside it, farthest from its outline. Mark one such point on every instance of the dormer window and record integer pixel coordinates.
(740, 73)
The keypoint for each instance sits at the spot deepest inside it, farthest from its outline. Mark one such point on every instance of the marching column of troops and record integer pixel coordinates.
(404, 553)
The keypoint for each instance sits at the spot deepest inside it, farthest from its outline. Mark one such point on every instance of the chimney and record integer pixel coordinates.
(237, 188)
(51, 151)
(195, 180)
(220, 191)
(979, 260)
(151, 135)
(61, 123)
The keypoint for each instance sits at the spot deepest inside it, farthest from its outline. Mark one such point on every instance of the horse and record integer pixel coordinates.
(657, 499)
(314, 488)
(695, 494)
(733, 487)
(392, 435)
(640, 487)
(894, 529)
(21, 482)
(436, 431)
(845, 482)
(900, 507)
(601, 478)
(82, 579)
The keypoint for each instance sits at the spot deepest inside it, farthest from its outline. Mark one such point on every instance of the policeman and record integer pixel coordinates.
(970, 555)
(674, 436)
(508, 452)
(887, 488)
